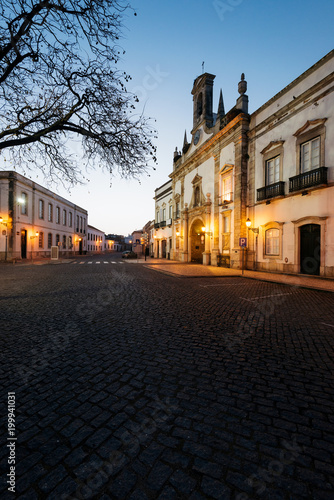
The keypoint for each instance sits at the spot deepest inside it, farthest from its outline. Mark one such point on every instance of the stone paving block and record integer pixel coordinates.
(123, 484)
(182, 482)
(158, 476)
(215, 489)
(52, 479)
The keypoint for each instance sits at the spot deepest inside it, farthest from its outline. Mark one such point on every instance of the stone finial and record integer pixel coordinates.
(242, 86)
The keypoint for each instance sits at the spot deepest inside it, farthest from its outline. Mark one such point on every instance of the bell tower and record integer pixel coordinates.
(202, 101)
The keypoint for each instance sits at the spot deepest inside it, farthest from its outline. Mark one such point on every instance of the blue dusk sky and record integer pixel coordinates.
(271, 41)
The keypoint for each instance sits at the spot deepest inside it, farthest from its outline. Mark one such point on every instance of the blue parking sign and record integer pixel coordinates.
(242, 242)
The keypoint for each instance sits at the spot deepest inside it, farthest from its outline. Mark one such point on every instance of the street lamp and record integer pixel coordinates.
(254, 229)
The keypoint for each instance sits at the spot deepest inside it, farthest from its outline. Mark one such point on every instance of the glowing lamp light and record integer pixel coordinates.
(248, 222)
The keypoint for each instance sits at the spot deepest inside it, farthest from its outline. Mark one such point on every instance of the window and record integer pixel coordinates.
(272, 242)
(197, 196)
(227, 189)
(177, 215)
(170, 211)
(41, 239)
(50, 212)
(57, 215)
(158, 216)
(272, 170)
(64, 242)
(70, 219)
(80, 224)
(57, 239)
(310, 155)
(24, 204)
(49, 240)
(64, 217)
(164, 214)
(70, 242)
(226, 224)
(41, 209)
(77, 223)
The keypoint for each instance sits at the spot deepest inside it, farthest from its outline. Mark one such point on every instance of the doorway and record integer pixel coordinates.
(80, 247)
(197, 247)
(23, 243)
(163, 248)
(310, 249)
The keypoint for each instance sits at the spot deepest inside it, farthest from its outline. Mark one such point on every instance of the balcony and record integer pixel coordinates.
(308, 179)
(225, 198)
(270, 191)
(163, 223)
(157, 225)
(169, 222)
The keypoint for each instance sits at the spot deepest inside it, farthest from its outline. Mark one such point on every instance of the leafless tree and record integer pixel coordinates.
(60, 82)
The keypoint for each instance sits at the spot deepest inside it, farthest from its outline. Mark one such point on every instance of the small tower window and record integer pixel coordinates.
(199, 105)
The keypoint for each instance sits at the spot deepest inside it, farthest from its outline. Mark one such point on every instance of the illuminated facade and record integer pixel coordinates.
(35, 220)
(261, 185)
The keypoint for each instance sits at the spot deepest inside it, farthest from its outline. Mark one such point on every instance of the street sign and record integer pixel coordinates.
(242, 242)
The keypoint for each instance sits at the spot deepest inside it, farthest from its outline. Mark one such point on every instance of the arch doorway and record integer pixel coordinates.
(310, 249)
(197, 242)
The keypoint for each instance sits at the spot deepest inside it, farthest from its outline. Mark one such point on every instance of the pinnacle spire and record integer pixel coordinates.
(221, 109)
(185, 140)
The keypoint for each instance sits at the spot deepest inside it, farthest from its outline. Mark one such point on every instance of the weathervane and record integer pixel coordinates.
(203, 67)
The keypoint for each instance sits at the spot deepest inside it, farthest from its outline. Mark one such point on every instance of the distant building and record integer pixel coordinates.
(95, 240)
(163, 235)
(34, 220)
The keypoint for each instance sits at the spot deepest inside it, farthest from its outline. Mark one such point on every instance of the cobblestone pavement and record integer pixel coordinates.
(133, 384)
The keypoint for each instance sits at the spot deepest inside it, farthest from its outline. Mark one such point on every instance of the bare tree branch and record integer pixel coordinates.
(60, 82)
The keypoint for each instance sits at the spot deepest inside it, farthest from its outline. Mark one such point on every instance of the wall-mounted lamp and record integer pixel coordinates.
(254, 229)
(34, 235)
(209, 233)
(2, 221)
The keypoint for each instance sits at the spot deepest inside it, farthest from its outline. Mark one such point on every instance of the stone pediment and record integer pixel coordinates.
(226, 168)
(272, 145)
(196, 179)
(309, 125)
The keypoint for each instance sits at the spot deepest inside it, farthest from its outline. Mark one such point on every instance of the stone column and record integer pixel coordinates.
(207, 254)
(185, 234)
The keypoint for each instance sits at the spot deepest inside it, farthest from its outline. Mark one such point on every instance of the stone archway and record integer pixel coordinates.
(196, 241)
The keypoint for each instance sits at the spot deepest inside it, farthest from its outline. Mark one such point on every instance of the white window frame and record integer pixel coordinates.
(273, 166)
(311, 163)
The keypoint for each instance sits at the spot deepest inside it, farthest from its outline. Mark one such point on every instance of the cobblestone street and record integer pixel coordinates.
(134, 384)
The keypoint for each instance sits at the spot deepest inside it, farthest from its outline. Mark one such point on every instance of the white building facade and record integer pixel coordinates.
(96, 240)
(34, 220)
(291, 176)
(163, 232)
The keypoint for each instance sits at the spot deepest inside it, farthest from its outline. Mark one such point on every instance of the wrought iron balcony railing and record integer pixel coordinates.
(270, 191)
(309, 179)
